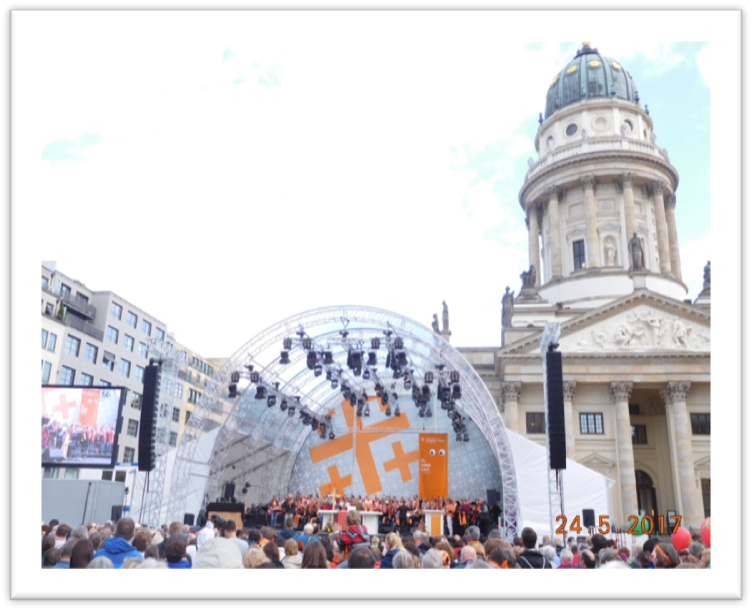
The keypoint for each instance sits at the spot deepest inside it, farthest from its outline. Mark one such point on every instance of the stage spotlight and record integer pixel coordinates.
(359, 412)
(385, 399)
(307, 343)
(284, 357)
(306, 420)
(335, 383)
(459, 437)
(421, 413)
(372, 359)
(331, 435)
(287, 343)
(354, 359)
(466, 438)
(361, 403)
(442, 393)
(388, 412)
(398, 344)
(397, 411)
(366, 374)
(328, 358)
(429, 413)
(378, 389)
(311, 360)
(260, 393)
(314, 423)
(291, 411)
(271, 401)
(322, 429)
(402, 358)
(367, 412)
(456, 392)
(454, 376)
(233, 390)
(429, 377)
(283, 405)
(375, 343)
(255, 377)
(396, 374)
(346, 392)
(357, 372)
(352, 399)
(317, 370)
(235, 377)
(426, 390)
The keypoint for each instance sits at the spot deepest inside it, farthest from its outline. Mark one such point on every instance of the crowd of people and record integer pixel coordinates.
(403, 514)
(77, 440)
(219, 544)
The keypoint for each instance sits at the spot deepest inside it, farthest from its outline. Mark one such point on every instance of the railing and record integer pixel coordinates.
(82, 325)
(77, 303)
(594, 145)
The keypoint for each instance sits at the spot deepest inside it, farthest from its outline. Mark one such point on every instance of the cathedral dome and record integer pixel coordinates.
(589, 75)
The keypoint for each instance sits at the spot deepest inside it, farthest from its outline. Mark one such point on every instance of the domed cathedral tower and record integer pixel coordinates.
(604, 264)
(599, 180)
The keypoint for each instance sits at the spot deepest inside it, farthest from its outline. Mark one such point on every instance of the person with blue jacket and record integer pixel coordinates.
(393, 544)
(117, 548)
(306, 535)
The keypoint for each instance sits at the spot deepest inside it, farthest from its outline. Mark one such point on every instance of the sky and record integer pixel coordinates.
(238, 168)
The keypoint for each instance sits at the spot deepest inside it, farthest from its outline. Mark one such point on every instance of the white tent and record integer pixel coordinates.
(583, 487)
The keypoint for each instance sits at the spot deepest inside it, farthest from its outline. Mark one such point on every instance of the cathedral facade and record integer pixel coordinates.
(604, 263)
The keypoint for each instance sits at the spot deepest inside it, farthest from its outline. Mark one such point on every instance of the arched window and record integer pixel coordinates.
(646, 497)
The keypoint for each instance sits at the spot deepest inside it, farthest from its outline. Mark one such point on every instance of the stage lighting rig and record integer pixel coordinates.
(307, 343)
(260, 392)
(366, 375)
(233, 389)
(429, 377)
(284, 357)
(271, 400)
(331, 435)
(287, 343)
(456, 392)
(372, 359)
(328, 358)
(375, 343)
(454, 377)
(283, 405)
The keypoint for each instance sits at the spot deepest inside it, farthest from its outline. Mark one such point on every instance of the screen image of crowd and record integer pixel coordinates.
(286, 534)
(78, 441)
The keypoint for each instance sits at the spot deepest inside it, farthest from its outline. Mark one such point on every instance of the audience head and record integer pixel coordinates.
(83, 553)
(467, 554)
(175, 548)
(432, 560)
(473, 533)
(314, 555)
(125, 528)
(403, 560)
(101, 563)
(361, 558)
(254, 557)
(529, 538)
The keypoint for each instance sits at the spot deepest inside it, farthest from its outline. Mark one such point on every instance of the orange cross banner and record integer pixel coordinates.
(434, 472)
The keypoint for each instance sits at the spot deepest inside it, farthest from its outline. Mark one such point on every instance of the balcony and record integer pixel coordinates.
(74, 321)
(76, 303)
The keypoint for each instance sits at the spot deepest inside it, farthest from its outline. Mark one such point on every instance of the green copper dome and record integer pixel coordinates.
(590, 75)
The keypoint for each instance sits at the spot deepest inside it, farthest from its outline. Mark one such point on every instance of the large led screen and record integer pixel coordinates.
(80, 426)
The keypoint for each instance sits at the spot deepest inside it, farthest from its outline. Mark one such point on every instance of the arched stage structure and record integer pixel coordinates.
(306, 413)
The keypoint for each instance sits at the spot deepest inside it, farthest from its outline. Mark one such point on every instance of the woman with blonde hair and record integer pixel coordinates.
(394, 545)
(292, 558)
(254, 557)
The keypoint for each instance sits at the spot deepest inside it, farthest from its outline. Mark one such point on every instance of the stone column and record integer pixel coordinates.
(688, 495)
(569, 423)
(626, 182)
(656, 191)
(510, 393)
(533, 247)
(553, 193)
(673, 237)
(591, 223)
(620, 393)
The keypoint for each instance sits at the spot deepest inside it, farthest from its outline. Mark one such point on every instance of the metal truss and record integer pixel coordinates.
(200, 470)
(170, 362)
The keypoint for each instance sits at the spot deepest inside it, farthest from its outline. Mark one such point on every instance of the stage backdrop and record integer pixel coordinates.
(434, 472)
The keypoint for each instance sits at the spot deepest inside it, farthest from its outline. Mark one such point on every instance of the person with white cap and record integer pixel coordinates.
(307, 535)
(218, 553)
(205, 535)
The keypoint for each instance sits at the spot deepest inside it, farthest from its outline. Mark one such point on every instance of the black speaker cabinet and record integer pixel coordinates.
(188, 519)
(116, 512)
(588, 517)
(229, 490)
(557, 441)
(147, 435)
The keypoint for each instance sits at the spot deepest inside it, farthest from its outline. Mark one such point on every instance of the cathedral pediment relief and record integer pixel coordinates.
(639, 323)
(596, 462)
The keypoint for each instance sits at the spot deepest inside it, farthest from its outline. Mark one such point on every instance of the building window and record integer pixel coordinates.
(705, 485)
(535, 423)
(71, 473)
(128, 342)
(67, 376)
(160, 334)
(193, 396)
(64, 291)
(116, 311)
(146, 327)
(136, 401)
(112, 334)
(175, 414)
(140, 374)
(46, 369)
(591, 423)
(128, 454)
(639, 434)
(143, 350)
(72, 345)
(131, 319)
(120, 476)
(49, 309)
(125, 368)
(108, 361)
(173, 439)
(90, 353)
(578, 249)
(49, 340)
(104, 384)
(187, 416)
(87, 380)
(45, 283)
(700, 423)
(132, 427)
(107, 475)
(179, 390)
